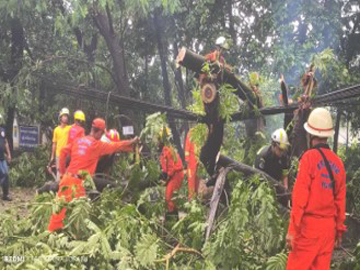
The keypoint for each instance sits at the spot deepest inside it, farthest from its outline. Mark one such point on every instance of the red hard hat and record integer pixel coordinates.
(99, 123)
(113, 135)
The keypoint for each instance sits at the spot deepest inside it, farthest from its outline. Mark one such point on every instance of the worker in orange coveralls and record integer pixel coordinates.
(77, 130)
(318, 199)
(221, 45)
(192, 165)
(85, 153)
(172, 170)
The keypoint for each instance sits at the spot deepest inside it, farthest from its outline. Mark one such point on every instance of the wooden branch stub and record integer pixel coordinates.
(218, 190)
(208, 93)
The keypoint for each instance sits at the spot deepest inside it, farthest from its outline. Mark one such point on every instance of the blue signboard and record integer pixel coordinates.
(29, 137)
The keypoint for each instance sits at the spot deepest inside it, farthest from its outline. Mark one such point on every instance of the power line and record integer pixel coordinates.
(336, 98)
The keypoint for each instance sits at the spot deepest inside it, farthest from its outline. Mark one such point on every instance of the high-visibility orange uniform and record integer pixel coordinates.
(75, 132)
(85, 153)
(172, 165)
(192, 165)
(215, 56)
(317, 215)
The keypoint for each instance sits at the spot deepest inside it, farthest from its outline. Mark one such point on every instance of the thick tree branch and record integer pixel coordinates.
(111, 26)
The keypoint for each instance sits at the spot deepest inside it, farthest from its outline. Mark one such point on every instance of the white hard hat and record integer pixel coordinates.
(320, 123)
(222, 42)
(279, 136)
(64, 111)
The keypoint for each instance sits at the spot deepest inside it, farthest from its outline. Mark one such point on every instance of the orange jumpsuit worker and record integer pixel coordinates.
(172, 170)
(318, 199)
(192, 165)
(85, 153)
(77, 130)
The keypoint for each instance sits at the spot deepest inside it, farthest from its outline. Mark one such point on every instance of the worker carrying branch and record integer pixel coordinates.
(273, 159)
(318, 199)
(85, 153)
(172, 169)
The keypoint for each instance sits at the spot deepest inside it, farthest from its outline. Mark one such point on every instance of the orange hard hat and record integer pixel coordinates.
(113, 135)
(98, 123)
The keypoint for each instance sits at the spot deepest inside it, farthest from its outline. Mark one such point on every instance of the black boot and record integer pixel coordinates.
(6, 198)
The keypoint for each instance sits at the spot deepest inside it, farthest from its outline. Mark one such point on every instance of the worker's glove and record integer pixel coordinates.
(163, 176)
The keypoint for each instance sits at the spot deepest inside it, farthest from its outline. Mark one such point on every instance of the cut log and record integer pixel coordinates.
(208, 93)
(218, 190)
(195, 62)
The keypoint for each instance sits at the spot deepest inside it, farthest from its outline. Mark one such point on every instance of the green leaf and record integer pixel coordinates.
(146, 249)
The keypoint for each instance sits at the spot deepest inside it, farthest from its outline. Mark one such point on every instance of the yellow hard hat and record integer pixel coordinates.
(79, 115)
(320, 123)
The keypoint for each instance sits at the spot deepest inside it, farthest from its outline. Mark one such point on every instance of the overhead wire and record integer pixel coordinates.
(336, 98)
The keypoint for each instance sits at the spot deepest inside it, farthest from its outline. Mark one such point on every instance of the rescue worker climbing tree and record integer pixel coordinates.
(172, 169)
(84, 153)
(318, 199)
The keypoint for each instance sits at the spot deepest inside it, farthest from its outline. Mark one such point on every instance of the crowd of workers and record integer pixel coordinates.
(318, 197)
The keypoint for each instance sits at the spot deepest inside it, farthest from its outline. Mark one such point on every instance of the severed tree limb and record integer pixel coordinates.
(248, 170)
(218, 190)
(195, 62)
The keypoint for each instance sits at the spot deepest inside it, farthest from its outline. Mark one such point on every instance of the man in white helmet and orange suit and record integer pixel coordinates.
(273, 159)
(318, 199)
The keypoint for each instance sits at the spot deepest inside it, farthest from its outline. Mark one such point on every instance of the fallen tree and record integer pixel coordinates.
(247, 170)
(195, 62)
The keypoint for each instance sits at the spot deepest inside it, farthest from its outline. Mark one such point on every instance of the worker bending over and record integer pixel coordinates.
(192, 165)
(318, 199)
(273, 159)
(172, 169)
(85, 153)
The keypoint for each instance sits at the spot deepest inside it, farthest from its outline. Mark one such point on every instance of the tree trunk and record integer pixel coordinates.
(232, 30)
(104, 24)
(166, 83)
(179, 80)
(17, 53)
